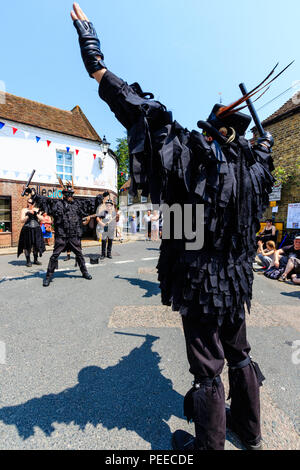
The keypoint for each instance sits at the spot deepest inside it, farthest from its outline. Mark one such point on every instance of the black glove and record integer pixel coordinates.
(89, 46)
(28, 191)
(267, 140)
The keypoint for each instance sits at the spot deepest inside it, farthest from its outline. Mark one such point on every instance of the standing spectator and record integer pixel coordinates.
(293, 254)
(267, 255)
(46, 226)
(268, 233)
(120, 224)
(155, 226)
(161, 221)
(106, 227)
(133, 224)
(147, 220)
(31, 236)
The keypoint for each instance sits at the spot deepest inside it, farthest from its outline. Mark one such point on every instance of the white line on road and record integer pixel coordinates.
(127, 261)
(147, 259)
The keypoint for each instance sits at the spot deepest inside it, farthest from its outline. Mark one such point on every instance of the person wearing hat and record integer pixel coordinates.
(210, 286)
(67, 217)
(106, 227)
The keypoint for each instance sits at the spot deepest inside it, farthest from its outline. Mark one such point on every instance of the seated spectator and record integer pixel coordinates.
(295, 278)
(266, 256)
(292, 252)
(268, 233)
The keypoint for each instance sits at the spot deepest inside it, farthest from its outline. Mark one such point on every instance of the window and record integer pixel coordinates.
(144, 199)
(5, 214)
(64, 165)
(130, 199)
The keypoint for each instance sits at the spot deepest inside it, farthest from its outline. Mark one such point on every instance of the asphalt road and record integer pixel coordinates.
(101, 364)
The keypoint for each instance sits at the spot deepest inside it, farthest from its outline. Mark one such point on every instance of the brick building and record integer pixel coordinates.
(53, 142)
(284, 125)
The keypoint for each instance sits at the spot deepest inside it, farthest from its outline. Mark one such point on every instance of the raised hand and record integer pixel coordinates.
(89, 43)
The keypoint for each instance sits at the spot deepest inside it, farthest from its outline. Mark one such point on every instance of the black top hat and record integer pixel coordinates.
(68, 189)
(238, 121)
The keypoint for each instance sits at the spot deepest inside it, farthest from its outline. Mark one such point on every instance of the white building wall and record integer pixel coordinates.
(20, 154)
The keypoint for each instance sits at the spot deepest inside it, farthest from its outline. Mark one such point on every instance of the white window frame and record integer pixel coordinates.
(63, 175)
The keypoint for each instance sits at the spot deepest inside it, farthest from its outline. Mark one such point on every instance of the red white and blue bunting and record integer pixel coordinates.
(12, 131)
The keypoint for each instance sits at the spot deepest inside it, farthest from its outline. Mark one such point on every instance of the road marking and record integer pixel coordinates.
(127, 261)
(147, 259)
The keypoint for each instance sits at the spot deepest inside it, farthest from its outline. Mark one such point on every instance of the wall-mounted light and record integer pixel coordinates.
(104, 145)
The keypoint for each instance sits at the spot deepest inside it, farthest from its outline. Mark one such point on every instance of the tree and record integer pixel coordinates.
(123, 157)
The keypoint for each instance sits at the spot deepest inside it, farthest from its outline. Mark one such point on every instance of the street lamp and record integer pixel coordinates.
(104, 145)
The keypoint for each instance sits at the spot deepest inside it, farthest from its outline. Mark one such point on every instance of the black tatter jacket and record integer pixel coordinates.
(67, 216)
(175, 165)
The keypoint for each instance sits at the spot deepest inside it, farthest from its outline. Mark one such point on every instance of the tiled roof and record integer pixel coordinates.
(290, 106)
(126, 185)
(40, 115)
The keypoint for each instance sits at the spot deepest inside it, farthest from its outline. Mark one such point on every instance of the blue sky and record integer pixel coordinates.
(184, 52)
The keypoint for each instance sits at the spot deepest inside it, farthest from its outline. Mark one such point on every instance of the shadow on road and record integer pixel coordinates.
(17, 262)
(151, 288)
(37, 274)
(132, 394)
(292, 294)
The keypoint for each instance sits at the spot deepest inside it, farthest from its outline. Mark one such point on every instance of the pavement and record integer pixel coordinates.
(101, 364)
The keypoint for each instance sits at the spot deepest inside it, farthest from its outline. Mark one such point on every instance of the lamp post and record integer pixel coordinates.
(104, 146)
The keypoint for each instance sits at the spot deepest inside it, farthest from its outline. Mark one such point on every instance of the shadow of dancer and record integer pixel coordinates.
(151, 288)
(133, 394)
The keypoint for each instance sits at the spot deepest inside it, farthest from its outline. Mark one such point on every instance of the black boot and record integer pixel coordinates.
(47, 280)
(244, 416)
(103, 247)
(36, 261)
(250, 445)
(183, 441)
(87, 276)
(109, 247)
(68, 257)
(205, 405)
(28, 262)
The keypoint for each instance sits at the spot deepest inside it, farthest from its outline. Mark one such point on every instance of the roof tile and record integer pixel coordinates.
(40, 115)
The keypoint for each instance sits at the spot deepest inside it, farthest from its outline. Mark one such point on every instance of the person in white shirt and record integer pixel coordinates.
(147, 219)
(120, 224)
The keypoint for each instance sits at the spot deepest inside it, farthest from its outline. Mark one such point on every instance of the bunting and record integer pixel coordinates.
(39, 139)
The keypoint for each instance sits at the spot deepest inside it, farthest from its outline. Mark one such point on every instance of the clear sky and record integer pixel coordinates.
(185, 52)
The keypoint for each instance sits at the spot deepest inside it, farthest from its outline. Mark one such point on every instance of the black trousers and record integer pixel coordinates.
(66, 244)
(107, 242)
(208, 345)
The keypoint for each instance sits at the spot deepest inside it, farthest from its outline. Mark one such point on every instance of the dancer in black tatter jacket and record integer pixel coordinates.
(221, 170)
(67, 215)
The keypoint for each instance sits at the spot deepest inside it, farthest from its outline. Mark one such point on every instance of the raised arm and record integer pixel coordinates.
(45, 204)
(128, 102)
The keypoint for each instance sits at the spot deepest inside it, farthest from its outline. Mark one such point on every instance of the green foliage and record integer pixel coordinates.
(287, 174)
(123, 157)
(281, 175)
